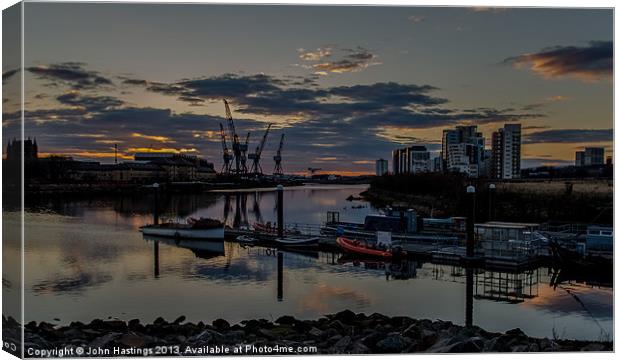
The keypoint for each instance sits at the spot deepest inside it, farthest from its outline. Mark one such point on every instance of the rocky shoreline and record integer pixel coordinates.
(343, 333)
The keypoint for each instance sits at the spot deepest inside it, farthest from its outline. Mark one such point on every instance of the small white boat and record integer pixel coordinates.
(194, 229)
(245, 239)
(298, 241)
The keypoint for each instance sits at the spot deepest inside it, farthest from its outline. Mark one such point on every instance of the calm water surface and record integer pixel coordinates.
(85, 259)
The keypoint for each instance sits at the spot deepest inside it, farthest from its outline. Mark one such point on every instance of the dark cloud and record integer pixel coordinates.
(130, 81)
(591, 63)
(72, 74)
(90, 103)
(6, 75)
(569, 136)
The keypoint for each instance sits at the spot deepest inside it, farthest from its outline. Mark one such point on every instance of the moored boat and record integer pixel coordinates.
(245, 239)
(202, 228)
(293, 241)
(357, 247)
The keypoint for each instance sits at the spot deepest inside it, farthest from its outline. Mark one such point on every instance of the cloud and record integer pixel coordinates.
(70, 73)
(6, 75)
(351, 60)
(569, 136)
(159, 138)
(589, 63)
(317, 55)
(90, 103)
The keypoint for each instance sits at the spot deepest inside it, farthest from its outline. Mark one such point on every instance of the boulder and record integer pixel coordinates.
(393, 343)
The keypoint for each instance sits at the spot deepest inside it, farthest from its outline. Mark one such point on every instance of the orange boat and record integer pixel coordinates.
(357, 247)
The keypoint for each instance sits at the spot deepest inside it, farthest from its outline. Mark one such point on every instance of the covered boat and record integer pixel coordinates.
(202, 228)
(357, 247)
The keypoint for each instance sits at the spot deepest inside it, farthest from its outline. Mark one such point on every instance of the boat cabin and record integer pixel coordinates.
(600, 238)
(506, 231)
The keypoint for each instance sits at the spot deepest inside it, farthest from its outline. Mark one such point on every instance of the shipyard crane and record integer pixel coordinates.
(255, 157)
(236, 146)
(278, 159)
(244, 150)
(226, 152)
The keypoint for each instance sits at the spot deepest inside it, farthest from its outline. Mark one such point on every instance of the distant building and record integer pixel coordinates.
(14, 150)
(462, 150)
(411, 160)
(580, 158)
(506, 152)
(438, 164)
(590, 156)
(381, 167)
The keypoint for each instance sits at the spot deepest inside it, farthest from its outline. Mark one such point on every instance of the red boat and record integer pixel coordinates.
(357, 247)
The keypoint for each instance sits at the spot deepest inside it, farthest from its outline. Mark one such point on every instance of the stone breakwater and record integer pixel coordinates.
(343, 333)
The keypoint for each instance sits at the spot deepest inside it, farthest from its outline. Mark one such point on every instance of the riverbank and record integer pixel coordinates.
(341, 333)
(537, 201)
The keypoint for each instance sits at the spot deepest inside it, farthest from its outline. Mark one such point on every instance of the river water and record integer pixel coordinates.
(86, 259)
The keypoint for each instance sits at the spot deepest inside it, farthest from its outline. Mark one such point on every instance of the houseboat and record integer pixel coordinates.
(402, 224)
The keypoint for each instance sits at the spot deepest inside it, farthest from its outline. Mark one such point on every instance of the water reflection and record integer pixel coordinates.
(88, 259)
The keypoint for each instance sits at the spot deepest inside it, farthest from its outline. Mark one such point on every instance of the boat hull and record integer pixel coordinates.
(303, 242)
(184, 233)
(355, 247)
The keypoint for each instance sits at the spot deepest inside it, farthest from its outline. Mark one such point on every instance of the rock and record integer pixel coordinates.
(115, 325)
(267, 334)
(594, 347)
(359, 348)
(207, 336)
(316, 332)
(104, 341)
(531, 347)
(159, 321)
(340, 345)
(394, 343)
(286, 320)
(179, 320)
(346, 316)
(221, 324)
(458, 344)
(373, 338)
(132, 340)
(515, 332)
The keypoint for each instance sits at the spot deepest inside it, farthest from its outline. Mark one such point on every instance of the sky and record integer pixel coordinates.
(346, 85)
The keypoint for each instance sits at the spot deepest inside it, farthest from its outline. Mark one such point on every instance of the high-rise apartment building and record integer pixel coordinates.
(506, 152)
(414, 159)
(381, 167)
(463, 150)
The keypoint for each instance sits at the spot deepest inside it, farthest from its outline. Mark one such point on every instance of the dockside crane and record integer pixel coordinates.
(244, 150)
(278, 159)
(255, 157)
(236, 146)
(227, 155)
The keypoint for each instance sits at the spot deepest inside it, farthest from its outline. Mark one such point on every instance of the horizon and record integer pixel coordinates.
(344, 96)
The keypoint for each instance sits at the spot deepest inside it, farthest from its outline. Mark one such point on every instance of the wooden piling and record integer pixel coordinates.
(280, 191)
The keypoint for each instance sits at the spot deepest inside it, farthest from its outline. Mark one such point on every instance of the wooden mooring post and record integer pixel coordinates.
(280, 191)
